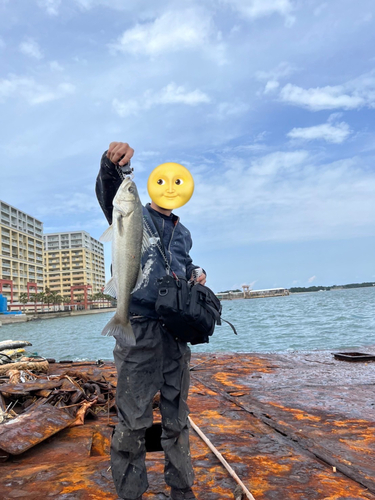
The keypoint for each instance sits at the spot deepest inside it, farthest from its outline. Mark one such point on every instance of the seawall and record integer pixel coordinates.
(22, 318)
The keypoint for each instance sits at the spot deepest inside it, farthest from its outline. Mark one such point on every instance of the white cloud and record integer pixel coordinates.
(284, 196)
(271, 86)
(274, 163)
(31, 48)
(46, 95)
(282, 70)
(310, 280)
(353, 94)
(171, 94)
(225, 109)
(51, 6)
(334, 133)
(273, 76)
(33, 92)
(254, 9)
(170, 32)
(320, 98)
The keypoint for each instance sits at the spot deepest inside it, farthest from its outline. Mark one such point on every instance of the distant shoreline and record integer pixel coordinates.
(23, 318)
(319, 288)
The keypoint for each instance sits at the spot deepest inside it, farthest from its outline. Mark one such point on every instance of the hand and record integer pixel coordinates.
(119, 150)
(201, 279)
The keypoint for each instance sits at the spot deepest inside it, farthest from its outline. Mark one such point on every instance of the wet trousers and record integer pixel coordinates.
(156, 362)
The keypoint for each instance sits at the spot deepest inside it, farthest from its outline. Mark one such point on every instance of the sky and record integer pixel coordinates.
(269, 103)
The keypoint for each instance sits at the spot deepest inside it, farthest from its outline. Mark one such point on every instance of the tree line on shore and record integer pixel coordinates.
(327, 288)
(297, 289)
(49, 298)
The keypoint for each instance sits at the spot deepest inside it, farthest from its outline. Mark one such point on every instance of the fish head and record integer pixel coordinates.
(127, 197)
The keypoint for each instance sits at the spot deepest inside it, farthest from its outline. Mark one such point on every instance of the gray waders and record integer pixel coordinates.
(156, 362)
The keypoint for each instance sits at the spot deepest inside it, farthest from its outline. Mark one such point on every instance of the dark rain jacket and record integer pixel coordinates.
(177, 252)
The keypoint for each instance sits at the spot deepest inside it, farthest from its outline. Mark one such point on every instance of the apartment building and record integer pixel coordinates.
(21, 253)
(73, 259)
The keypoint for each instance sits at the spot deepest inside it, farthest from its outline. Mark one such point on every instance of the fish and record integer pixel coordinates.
(129, 241)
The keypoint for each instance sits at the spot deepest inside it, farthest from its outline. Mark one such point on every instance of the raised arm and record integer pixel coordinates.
(109, 180)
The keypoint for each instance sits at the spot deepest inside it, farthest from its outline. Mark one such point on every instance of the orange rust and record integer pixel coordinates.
(298, 414)
(268, 429)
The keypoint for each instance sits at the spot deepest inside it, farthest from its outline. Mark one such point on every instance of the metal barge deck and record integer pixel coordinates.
(292, 426)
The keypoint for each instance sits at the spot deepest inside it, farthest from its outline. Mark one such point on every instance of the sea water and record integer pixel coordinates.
(322, 320)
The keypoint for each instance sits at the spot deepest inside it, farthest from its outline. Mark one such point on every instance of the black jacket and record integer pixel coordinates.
(143, 300)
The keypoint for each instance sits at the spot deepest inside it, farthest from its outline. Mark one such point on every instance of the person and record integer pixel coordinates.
(158, 361)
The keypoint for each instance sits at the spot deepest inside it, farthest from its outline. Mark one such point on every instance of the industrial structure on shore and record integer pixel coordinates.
(69, 265)
(247, 293)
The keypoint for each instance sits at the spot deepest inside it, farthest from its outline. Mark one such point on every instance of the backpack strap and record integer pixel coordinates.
(230, 324)
(218, 317)
(215, 313)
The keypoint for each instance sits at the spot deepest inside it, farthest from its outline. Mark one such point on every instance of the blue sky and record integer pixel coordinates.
(269, 103)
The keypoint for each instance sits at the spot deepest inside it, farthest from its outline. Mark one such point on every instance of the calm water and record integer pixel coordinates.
(322, 320)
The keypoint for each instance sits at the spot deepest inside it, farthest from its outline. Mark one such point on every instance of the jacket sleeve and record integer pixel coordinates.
(107, 184)
(189, 264)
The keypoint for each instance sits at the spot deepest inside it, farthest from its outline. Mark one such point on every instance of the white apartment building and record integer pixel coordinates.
(21, 253)
(73, 259)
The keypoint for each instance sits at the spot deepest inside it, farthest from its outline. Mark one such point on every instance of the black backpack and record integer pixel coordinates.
(188, 311)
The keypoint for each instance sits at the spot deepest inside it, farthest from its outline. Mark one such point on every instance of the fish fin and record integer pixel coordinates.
(139, 281)
(107, 235)
(123, 332)
(111, 287)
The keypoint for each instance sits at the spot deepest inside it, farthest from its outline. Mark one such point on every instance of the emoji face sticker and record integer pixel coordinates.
(170, 185)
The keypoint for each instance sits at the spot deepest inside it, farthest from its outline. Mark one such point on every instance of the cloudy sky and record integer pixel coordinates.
(269, 103)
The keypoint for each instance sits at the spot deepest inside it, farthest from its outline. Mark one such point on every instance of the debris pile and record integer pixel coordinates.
(35, 405)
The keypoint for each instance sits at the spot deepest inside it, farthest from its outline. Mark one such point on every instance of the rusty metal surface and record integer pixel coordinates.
(29, 429)
(323, 406)
(27, 387)
(281, 421)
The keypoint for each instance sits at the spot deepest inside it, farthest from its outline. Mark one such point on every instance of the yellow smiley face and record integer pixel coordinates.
(170, 185)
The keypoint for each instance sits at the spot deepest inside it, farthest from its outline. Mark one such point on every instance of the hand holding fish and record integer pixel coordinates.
(198, 276)
(120, 152)
(202, 279)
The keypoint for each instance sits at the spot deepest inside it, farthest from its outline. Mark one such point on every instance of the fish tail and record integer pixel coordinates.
(120, 330)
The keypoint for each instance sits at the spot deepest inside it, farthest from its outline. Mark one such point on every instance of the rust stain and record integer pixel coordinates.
(263, 413)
